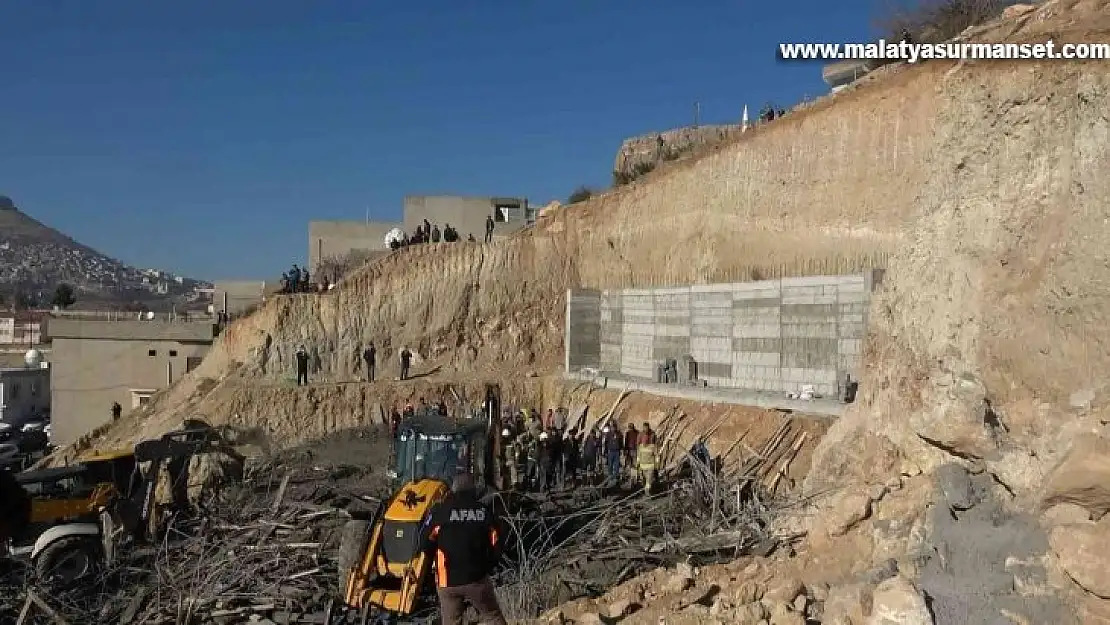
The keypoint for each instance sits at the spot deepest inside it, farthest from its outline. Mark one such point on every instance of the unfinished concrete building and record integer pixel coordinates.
(467, 215)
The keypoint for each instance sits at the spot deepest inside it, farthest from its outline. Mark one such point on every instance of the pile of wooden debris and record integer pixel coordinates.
(266, 550)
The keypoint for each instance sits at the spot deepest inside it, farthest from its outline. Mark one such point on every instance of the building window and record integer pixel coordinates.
(15, 391)
(151, 352)
(34, 389)
(192, 362)
(141, 397)
(173, 352)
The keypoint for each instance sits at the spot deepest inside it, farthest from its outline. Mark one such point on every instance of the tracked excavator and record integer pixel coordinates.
(384, 572)
(81, 513)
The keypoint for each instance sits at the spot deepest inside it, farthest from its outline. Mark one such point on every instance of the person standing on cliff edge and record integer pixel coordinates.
(489, 228)
(406, 360)
(302, 366)
(370, 358)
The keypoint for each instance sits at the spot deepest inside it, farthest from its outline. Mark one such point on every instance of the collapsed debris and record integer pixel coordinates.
(267, 549)
(586, 542)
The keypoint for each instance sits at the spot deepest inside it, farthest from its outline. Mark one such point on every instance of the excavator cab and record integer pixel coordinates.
(383, 564)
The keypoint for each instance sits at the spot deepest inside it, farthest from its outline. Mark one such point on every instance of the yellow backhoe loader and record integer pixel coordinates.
(384, 570)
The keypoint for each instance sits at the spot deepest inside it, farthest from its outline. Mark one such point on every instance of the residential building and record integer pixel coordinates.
(24, 393)
(22, 328)
(332, 239)
(98, 361)
(237, 296)
(467, 215)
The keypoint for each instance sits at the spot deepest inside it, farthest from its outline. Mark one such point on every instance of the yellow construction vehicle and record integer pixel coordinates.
(63, 539)
(384, 570)
(79, 511)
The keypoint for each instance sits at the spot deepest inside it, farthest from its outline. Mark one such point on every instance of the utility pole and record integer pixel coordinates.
(697, 113)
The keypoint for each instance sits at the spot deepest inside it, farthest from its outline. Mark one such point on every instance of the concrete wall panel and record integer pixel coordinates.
(770, 335)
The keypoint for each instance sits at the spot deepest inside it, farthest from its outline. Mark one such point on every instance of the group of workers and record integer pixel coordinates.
(545, 454)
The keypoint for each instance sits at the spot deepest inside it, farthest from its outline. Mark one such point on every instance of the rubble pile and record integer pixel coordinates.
(266, 549)
(263, 549)
(584, 542)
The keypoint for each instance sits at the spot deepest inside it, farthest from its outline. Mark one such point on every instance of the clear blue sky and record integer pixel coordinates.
(201, 136)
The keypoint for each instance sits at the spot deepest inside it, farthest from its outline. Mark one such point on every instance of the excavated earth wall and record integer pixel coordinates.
(984, 185)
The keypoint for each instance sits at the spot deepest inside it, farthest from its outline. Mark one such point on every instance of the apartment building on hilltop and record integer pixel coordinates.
(100, 360)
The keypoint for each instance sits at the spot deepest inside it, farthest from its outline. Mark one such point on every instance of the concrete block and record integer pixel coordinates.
(765, 331)
(798, 291)
(814, 376)
(806, 281)
(701, 290)
(765, 359)
(852, 330)
(817, 298)
(672, 330)
(852, 282)
(742, 293)
(756, 309)
(860, 297)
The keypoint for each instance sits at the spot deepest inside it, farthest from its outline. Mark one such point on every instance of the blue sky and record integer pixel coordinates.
(202, 136)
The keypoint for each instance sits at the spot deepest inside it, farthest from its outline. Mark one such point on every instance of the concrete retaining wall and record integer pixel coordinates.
(772, 335)
(583, 345)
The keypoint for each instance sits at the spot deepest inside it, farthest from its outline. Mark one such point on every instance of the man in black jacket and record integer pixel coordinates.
(15, 507)
(462, 531)
(302, 366)
(370, 357)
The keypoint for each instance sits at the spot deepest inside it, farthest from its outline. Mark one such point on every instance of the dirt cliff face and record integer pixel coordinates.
(989, 320)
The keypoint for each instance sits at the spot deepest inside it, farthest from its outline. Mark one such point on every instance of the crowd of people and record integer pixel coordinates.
(548, 453)
(298, 280)
(541, 454)
(430, 233)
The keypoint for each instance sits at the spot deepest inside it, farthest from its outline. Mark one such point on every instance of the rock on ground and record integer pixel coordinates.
(1082, 476)
(1084, 552)
(897, 601)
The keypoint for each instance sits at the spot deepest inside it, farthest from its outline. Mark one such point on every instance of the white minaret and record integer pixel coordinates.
(744, 119)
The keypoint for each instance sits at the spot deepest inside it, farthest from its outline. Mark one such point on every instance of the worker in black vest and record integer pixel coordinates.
(462, 531)
(15, 507)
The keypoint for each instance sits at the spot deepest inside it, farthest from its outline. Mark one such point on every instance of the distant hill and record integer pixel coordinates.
(35, 258)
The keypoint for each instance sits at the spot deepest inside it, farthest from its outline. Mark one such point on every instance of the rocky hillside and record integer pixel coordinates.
(983, 188)
(35, 258)
(639, 155)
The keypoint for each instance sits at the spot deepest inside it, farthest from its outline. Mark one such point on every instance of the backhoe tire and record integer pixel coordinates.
(352, 547)
(69, 560)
